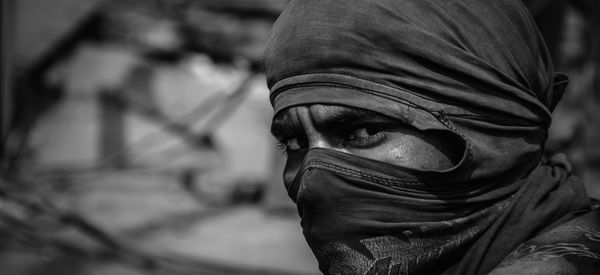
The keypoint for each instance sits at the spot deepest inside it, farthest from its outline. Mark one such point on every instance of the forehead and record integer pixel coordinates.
(288, 121)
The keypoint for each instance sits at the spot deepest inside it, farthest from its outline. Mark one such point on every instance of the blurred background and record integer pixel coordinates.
(135, 135)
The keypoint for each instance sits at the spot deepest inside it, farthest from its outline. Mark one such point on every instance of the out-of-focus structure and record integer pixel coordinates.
(135, 135)
(571, 29)
(136, 140)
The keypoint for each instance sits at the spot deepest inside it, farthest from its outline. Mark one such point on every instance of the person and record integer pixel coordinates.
(414, 132)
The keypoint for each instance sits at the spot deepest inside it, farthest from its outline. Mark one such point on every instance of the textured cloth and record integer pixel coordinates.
(363, 216)
(477, 69)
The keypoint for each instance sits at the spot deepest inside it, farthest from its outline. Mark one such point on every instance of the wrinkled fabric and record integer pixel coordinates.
(362, 216)
(570, 248)
(477, 69)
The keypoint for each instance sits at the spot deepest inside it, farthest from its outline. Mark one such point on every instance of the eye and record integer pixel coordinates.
(291, 144)
(365, 137)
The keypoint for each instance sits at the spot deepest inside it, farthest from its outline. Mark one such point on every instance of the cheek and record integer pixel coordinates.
(412, 152)
(412, 155)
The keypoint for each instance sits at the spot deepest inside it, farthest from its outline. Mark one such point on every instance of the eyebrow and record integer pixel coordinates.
(327, 118)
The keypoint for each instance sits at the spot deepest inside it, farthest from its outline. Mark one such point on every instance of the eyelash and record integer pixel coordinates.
(379, 135)
(281, 146)
(375, 135)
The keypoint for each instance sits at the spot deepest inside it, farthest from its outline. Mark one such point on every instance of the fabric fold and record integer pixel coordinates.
(478, 69)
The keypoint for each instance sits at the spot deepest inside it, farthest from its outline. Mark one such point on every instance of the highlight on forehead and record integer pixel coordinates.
(323, 115)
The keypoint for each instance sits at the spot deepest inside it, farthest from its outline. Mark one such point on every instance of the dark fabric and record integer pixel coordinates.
(550, 17)
(362, 216)
(570, 248)
(549, 196)
(478, 69)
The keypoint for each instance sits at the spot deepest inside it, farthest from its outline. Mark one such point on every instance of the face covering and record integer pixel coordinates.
(477, 69)
(361, 216)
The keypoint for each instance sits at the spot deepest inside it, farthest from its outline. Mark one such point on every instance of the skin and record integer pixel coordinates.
(362, 133)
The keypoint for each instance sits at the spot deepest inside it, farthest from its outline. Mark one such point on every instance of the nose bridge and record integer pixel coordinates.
(318, 141)
(314, 137)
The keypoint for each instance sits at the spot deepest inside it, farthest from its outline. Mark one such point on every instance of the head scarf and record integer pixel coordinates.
(476, 68)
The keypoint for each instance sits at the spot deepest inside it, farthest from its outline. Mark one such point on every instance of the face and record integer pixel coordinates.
(363, 133)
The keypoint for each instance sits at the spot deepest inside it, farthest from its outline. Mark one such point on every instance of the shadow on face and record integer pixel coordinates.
(367, 134)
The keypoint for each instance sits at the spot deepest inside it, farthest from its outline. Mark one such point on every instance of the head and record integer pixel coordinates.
(416, 84)
(399, 112)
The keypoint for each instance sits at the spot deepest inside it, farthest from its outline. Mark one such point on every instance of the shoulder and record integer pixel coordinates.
(570, 248)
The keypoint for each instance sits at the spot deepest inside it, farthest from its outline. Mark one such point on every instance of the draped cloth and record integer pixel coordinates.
(478, 69)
